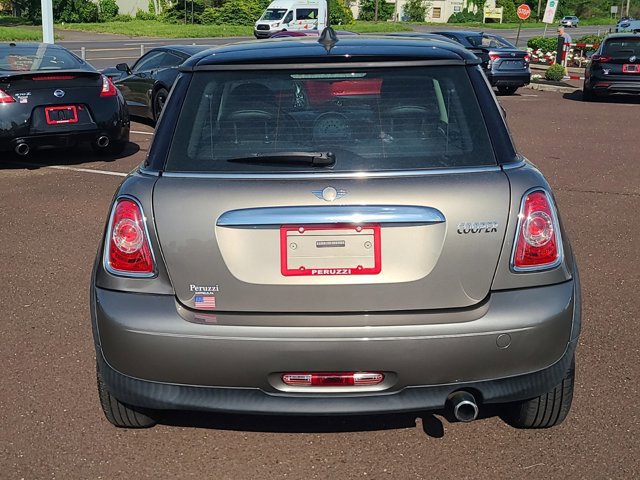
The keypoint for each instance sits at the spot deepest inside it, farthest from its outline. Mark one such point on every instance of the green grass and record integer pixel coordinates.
(151, 28)
(8, 34)
(8, 21)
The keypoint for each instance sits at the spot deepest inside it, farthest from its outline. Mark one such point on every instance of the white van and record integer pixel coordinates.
(292, 15)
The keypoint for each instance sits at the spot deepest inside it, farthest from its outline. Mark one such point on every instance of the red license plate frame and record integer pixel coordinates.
(626, 68)
(331, 271)
(66, 108)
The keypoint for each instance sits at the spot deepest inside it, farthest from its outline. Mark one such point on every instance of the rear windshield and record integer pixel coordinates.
(368, 119)
(622, 47)
(491, 41)
(34, 58)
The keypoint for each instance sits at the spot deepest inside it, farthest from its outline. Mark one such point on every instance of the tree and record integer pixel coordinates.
(368, 8)
(416, 10)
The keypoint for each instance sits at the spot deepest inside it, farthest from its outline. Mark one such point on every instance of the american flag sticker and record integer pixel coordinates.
(205, 302)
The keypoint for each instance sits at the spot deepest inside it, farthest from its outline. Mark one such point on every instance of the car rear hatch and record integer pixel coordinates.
(57, 100)
(508, 60)
(368, 190)
(620, 59)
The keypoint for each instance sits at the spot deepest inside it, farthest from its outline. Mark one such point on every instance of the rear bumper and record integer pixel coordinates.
(512, 79)
(605, 85)
(151, 357)
(66, 139)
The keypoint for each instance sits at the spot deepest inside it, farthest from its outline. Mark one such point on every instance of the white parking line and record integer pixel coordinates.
(87, 170)
(141, 133)
(74, 169)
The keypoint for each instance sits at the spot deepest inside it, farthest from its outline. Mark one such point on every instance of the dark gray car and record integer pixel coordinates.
(329, 227)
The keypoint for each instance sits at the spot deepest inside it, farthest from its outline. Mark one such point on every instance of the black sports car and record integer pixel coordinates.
(51, 97)
(146, 85)
(614, 67)
(505, 65)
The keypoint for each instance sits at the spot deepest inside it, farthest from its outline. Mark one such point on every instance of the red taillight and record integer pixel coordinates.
(6, 98)
(128, 249)
(333, 379)
(537, 243)
(494, 56)
(527, 58)
(108, 88)
(53, 77)
(601, 58)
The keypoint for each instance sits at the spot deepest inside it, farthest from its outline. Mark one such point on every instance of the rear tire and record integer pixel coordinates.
(507, 90)
(118, 413)
(159, 99)
(547, 410)
(587, 94)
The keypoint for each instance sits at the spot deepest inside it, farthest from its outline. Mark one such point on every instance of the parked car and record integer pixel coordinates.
(570, 21)
(614, 67)
(50, 97)
(147, 84)
(326, 228)
(629, 25)
(506, 66)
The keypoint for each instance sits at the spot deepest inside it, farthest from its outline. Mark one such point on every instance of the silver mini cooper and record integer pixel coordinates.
(330, 227)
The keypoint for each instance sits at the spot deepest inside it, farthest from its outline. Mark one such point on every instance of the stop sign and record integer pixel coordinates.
(524, 11)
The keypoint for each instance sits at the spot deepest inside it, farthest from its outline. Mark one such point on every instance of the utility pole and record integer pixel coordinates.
(375, 15)
(628, 1)
(539, 8)
(47, 21)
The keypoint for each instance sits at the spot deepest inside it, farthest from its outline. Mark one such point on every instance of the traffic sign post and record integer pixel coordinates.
(524, 12)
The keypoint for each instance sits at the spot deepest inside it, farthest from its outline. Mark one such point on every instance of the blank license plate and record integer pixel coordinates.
(61, 114)
(630, 68)
(320, 250)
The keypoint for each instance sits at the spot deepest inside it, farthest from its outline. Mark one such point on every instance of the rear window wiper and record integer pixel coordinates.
(315, 159)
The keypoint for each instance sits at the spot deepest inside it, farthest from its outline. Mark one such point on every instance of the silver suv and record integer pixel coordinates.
(570, 21)
(330, 227)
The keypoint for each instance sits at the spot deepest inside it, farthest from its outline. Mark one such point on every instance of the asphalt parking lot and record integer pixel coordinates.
(53, 208)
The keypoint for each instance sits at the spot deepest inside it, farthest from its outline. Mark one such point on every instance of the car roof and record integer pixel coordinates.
(622, 35)
(186, 49)
(354, 48)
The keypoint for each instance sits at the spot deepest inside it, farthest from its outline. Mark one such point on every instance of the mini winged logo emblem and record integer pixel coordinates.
(329, 193)
(632, 58)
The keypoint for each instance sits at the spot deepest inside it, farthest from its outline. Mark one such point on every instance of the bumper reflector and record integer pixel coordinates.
(333, 379)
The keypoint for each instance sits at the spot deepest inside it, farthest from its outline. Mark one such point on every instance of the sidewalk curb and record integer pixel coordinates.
(551, 88)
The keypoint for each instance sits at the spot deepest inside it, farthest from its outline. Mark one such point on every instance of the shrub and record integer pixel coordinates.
(555, 72)
(415, 10)
(75, 11)
(546, 44)
(122, 18)
(108, 9)
(339, 13)
(509, 13)
(368, 8)
(591, 39)
(142, 15)
(465, 16)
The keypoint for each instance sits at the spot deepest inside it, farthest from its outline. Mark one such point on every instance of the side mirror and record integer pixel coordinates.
(123, 67)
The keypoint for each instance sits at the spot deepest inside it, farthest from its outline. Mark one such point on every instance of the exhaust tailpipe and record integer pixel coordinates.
(22, 149)
(102, 141)
(464, 406)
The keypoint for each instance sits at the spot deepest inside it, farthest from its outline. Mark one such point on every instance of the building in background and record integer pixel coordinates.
(438, 11)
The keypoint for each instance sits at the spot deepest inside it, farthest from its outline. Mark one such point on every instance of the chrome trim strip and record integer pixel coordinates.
(554, 215)
(107, 243)
(514, 165)
(322, 66)
(334, 175)
(274, 217)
